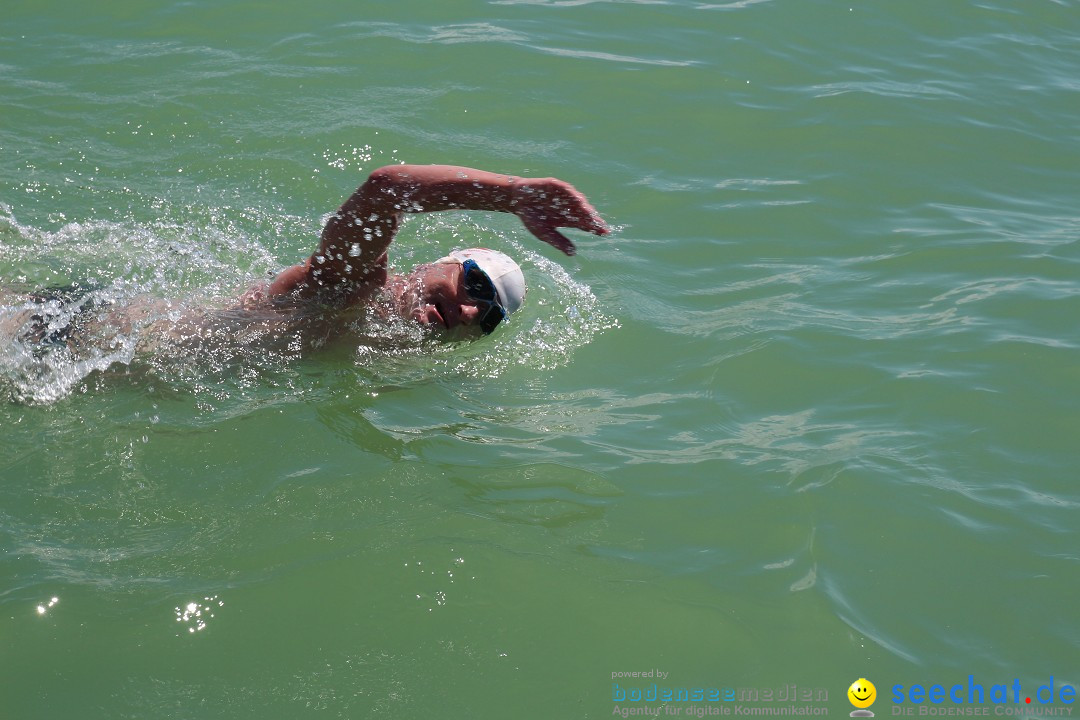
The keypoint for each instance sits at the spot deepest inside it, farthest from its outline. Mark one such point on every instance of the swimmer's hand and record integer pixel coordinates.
(544, 204)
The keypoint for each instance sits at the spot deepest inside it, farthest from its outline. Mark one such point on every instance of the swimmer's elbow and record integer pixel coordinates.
(391, 178)
(386, 188)
(382, 177)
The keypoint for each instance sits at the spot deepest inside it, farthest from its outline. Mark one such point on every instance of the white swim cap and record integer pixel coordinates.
(505, 274)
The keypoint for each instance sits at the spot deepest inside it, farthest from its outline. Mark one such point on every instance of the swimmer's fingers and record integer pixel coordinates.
(586, 218)
(546, 204)
(573, 210)
(544, 229)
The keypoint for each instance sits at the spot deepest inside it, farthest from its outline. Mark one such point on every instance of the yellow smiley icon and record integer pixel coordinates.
(862, 693)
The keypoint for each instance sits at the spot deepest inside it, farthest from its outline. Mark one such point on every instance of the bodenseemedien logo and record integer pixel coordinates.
(862, 695)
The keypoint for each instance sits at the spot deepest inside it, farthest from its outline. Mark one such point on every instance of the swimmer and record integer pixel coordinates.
(475, 289)
(467, 293)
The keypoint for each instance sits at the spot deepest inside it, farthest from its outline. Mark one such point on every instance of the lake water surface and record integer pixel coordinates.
(809, 414)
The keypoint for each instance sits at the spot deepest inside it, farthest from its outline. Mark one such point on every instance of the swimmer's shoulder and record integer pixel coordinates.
(302, 282)
(284, 296)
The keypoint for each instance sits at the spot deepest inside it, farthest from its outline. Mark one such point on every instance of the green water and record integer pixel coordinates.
(808, 415)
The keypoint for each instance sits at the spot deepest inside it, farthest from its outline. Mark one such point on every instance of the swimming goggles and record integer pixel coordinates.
(479, 288)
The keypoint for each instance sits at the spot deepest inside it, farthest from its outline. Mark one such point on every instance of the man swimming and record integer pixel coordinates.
(475, 288)
(468, 292)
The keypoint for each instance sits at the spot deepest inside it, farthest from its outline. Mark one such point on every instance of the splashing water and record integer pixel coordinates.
(94, 299)
(65, 294)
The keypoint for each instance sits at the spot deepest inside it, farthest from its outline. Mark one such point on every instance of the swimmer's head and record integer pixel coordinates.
(473, 289)
(500, 268)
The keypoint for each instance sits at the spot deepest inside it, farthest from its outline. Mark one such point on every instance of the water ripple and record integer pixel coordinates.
(887, 88)
(612, 57)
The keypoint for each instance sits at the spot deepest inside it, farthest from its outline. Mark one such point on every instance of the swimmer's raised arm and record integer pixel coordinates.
(352, 250)
(543, 204)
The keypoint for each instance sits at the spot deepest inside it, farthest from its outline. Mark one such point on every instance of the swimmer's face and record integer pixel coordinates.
(862, 693)
(435, 296)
